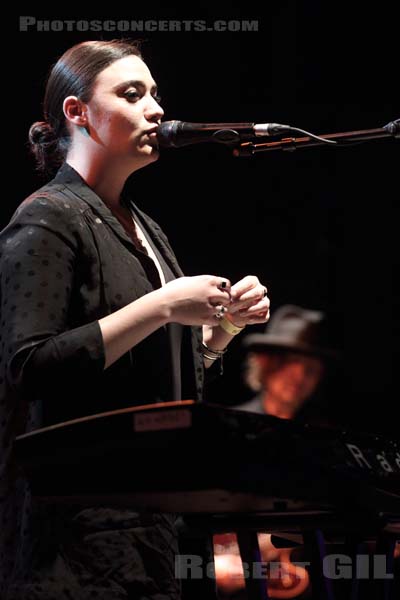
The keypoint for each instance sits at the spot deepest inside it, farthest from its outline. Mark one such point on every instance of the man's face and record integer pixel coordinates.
(294, 378)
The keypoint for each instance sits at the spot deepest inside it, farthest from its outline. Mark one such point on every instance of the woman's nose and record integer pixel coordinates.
(153, 110)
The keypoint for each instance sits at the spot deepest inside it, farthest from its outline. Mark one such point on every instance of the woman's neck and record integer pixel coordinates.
(106, 180)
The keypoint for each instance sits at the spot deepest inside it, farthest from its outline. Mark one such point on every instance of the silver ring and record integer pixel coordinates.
(265, 292)
(220, 313)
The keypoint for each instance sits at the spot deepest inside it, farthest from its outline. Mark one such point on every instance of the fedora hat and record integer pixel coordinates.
(295, 329)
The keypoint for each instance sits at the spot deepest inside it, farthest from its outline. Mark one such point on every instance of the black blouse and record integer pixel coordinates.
(67, 262)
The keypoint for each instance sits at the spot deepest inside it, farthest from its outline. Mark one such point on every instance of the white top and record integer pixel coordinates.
(150, 251)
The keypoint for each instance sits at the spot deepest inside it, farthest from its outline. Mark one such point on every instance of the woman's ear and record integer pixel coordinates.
(75, 111)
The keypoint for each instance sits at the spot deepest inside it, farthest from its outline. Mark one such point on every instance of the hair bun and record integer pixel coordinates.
(44, 147)
(41, 132)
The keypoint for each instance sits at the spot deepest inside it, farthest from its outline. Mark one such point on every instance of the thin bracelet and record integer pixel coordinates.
(218, 353)
(209, 357)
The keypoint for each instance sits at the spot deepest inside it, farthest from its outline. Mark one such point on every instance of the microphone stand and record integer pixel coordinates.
(392, 129)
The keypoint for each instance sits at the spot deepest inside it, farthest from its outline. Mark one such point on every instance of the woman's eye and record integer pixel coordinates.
(131, 95)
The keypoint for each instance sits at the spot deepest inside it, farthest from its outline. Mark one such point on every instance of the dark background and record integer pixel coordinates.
(318, 225)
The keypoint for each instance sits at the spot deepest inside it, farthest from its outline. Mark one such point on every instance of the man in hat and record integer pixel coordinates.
(287, 363)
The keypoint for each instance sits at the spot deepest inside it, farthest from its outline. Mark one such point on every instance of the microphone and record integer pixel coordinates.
(174, 134)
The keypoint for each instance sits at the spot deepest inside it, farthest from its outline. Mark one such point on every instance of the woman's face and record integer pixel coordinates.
(123, 112)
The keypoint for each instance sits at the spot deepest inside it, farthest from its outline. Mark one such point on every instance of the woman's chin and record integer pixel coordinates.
(151, 151)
